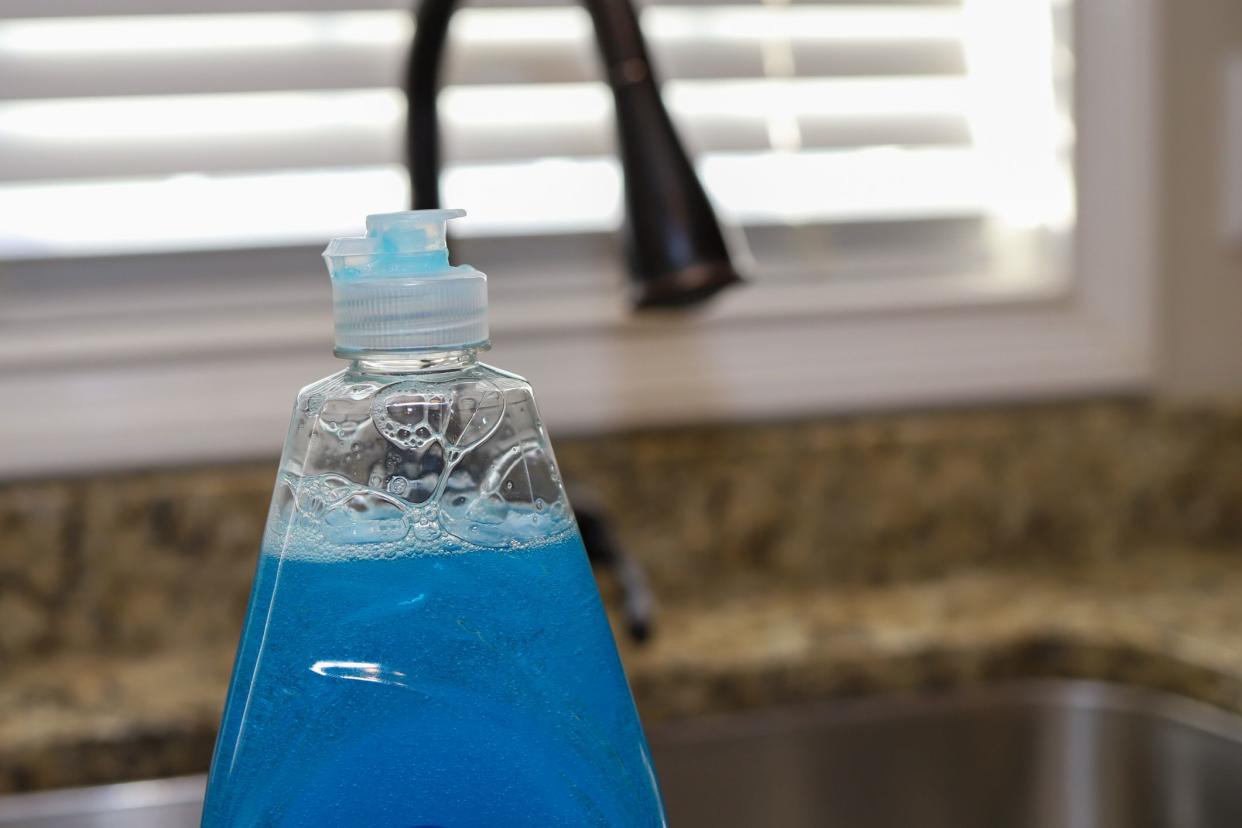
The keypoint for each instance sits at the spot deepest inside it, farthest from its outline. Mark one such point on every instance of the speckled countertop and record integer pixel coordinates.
(1169, 619)
(1099, 540)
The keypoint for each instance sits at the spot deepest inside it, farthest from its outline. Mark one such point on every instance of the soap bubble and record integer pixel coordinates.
(313, 496)
(347, 513)
(426, 529)
(410, 414)
(365, 517)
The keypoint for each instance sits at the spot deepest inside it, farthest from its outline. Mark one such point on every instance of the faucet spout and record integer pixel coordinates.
(677, 253)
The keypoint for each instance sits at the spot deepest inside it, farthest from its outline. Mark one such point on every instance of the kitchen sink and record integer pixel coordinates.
(1024, 755)
(1027, 755)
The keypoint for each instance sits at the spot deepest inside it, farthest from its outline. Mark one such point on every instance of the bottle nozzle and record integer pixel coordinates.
(394, 290)
(411, 231)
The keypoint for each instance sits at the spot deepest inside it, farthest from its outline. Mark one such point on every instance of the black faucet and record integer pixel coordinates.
(676, 250)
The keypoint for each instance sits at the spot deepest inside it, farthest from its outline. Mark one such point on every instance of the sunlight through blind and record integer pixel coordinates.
(150, 127)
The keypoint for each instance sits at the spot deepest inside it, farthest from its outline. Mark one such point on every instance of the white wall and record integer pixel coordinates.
(1201, 272)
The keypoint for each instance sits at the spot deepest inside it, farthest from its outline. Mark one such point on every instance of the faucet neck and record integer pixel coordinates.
(677, 251)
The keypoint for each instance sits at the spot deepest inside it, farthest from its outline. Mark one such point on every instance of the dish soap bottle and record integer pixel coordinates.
(425, 645)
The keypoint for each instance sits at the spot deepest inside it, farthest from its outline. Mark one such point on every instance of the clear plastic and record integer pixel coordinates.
(394, 289)
(425, 644)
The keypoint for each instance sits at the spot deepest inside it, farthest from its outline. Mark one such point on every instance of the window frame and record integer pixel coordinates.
(151, 395)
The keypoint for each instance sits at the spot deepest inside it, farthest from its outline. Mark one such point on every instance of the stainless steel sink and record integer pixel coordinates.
(1030, 755)
(1027, 755)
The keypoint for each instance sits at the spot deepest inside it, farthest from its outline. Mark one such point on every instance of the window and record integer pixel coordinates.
(933, 201)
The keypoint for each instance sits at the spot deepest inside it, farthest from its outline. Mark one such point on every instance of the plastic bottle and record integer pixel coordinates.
(425, 644)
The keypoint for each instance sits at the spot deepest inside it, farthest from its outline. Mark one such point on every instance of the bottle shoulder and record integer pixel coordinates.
(321, 385)
(501, 373)
(430, 456)
(356, 384)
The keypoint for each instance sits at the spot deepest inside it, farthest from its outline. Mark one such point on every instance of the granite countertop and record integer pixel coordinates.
(1166, 619)
(792, 561)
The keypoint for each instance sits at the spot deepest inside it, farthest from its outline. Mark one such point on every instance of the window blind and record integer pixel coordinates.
(142, 127)
(169, 171)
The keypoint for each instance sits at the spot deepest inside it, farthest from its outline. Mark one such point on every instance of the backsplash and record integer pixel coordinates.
(142, 561)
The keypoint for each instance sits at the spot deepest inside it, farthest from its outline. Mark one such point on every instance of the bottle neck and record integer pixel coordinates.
(414, 362)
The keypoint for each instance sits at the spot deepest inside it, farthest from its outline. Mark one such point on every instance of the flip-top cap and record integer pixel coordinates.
(394, 289)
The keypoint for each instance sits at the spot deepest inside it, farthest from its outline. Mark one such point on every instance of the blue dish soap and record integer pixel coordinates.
(425, 644)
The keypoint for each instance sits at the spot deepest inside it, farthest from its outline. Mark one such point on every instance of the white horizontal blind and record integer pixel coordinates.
(167, 126)
(170, 170)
